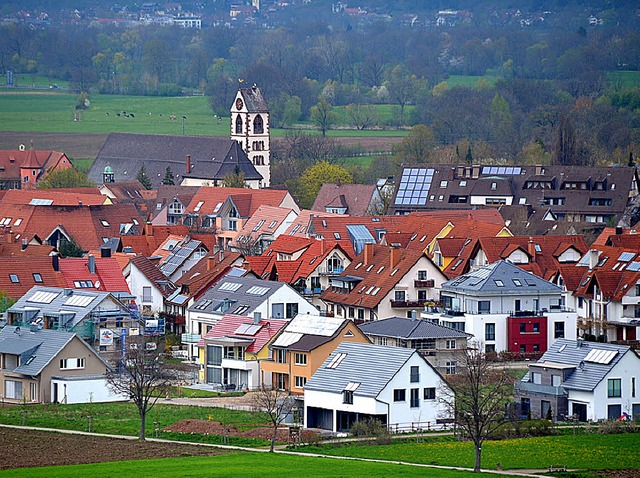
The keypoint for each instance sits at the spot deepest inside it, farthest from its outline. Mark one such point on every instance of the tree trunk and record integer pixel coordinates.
(274, 437)
(143, 420)
(478, 448)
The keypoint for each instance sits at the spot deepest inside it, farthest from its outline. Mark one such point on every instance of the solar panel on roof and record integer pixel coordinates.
(232, 286)
(43, 297)
(600, 356)
(626, 256)
(248, 329)
(634, 266)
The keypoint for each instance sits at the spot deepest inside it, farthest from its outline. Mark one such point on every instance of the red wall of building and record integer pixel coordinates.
(529, 338)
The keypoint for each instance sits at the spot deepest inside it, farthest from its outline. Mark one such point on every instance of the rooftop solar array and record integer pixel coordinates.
(600, 356)
(634, 266)
(79, 300)
(414, 186)
(501, 170)
(314, 325)
(232, 286)
(178, 256)
(248, 329)
(41, 202)
(43, 297)
(626, 256)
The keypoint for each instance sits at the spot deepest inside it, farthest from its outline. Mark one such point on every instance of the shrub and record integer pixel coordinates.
(370, 427)
(610, 427)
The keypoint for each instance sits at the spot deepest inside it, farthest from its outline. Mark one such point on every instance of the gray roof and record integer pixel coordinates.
(254, 100)
(402, 328)
(211, 157)
(36, 349)
(179, 255)
(587, 374)
(373, 366)
(74, 305)
(487, 280)
(234, 290)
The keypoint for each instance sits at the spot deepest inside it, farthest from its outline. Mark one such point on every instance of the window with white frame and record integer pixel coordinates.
(300, 358)
(72, 363)
(146, 294)
(12, 389)
(300, 381)
(450, 344)
(450, 368)
(281, 356)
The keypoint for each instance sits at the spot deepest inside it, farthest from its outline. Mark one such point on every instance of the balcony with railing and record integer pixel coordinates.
(312, 291)
(330, 271)
(424, 284)
(399, 304)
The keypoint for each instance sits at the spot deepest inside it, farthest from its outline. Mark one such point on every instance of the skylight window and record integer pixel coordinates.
(393, 272)
(380, 270)
(232, 286)
(336, 235)
(358, 266)
(14, 278)
(369, 268)
(499, 283)
(217, 208)
(272, 224)
(337, 360)
(257, 290)
(259, 225)
(375, 291)
(517, 282)
(202, 304)
(18, 222)
(37, 277)
(105, 223)
(198, 206)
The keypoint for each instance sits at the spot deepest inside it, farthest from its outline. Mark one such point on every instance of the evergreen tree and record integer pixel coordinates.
(168, 178)
(143, 178)
(469, 157)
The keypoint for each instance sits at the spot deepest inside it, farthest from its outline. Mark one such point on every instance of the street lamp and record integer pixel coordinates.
(183, 120)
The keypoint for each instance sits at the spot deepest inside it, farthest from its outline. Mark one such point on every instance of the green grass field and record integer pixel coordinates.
(584, 451)
(235, 464)
(121, 418)
(624, 78)
(470, 81)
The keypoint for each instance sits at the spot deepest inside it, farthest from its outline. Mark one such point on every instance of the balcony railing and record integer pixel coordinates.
(330, 271)
(424, 284)
(407, 303)
(190, 338)
(310, 292)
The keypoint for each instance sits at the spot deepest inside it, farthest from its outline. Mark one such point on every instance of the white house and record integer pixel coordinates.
(506, 308)
(148, 285)
(243, 296)
(394, 385)
(587, 380)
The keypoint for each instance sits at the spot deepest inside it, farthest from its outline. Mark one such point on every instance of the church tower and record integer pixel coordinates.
(250, 127)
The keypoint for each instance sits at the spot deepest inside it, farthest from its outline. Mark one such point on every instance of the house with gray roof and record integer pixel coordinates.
(358, 381)
(97, 317)
(587, 381)
(31, 356)
(437, 343)
(243, 296)
(506, 309)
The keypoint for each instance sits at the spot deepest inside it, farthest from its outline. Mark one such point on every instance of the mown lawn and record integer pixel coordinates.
(121, 418)
(625, 78)
(584, 451)
(236, 464)
(470, 81)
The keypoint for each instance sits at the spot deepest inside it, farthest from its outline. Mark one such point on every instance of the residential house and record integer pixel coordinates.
(171, 203)
(586, 197)
(183, 255)
(25, 168)
(30, 357)
(352, 199)
(383, 282)
(95, 273)
(97, 317)
(588, 381)
(242, 296)
(358, 381)
(231, 352)
(262, 228)
(23, 247)
(440, 345)
(305, 264)
(506, 309)
(302, 346)
(21, 274)
(148, 285)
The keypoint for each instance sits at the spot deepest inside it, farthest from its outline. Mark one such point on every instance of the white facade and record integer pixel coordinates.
(84, 390)
(400, 413)
(149, 299)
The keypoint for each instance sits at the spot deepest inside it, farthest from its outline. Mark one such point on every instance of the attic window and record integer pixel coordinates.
(375, 291)
(14, 278)
(603, 261)
(105, 223)
(463, 183)
(517, 282)
(336, 235)
(37, 277)
(18, 222)
(458, 262)
(294, 230)
(358, 266)
(324, 223)
(337, 360)
(135, 221)
(423, 238)
(380, 270)
(369, 290)
(259, 225)
(312, 260)
(530, 282)
(413, 237)
(499, 283)
(538, 248)
(272, 224)
(83, 284)
(393, 272)
(369, 268)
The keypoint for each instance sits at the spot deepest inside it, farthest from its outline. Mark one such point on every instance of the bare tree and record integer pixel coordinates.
(142, 375)
(276, 405)
(477, 397)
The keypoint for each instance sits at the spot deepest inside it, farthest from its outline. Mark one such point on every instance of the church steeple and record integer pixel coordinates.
(250, 127)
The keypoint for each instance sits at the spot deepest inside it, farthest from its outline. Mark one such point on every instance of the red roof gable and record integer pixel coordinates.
(26, 274)
(228, 326)
(107, 276)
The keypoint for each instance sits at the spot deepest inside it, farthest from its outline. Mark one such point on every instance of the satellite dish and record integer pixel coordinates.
(17, 331)
(97, 284)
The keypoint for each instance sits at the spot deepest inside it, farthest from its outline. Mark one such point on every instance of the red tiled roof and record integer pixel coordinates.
(246, 200)
(108, 273)
(261, 265)
(27, 271)
(208, 271)
(12, 160)
(355, 197)
(228, 325)
(299, 226)
(287, 270)
(59, 198)
(154, 274)
(373, 276)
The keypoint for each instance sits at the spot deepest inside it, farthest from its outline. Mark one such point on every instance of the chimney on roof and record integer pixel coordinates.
(322, 246)
(538, 170)
(257, 316)
(105, 252)
(188, 164)
(618, 230)
(368, 253)
(211, 262)
(25, 244)
(11, 237)
(246, 266)
(394, 256)
(220, 255)
(531, 249)
(593, 258)
(148, 229)
(91, 264)
(55, 262)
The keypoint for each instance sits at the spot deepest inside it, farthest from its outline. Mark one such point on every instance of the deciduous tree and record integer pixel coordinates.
(322, 114)
(66, 178)
(276, 405)
(311, 180)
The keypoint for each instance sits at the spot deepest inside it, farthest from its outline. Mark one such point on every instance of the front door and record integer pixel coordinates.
(580, 411)
(54, 399)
